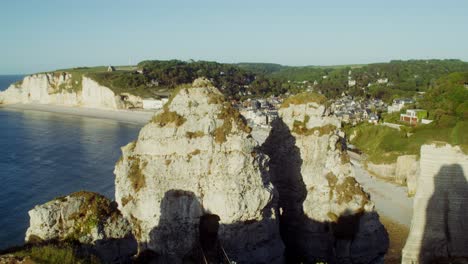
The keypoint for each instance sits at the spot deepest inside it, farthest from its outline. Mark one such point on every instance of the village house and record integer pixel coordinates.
(111, 69)
(382, 80)
(413, 116)
(373, 118)
(398, 104)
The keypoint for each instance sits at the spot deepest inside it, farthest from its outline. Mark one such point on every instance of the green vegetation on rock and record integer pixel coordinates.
(304, 98)
(196, 134)
(300, 128)
(229, 115)
(168, 117)
(94, 209)
(135, 174)
(54, 253)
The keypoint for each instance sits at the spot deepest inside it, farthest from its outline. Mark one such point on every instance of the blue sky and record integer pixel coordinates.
(42, 35)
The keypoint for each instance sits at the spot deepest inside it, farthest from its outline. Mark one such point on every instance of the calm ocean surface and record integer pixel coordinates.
(45, 155)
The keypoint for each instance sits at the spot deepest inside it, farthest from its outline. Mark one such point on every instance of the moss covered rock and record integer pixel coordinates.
(85, 217)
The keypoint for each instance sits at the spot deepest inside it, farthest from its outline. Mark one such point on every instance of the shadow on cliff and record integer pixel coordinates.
(308, 240)
(445, 237)
(188, 233)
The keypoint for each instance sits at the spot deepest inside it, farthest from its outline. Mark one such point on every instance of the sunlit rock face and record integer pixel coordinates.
(87, 217)
(326, 216)
(439, 229)
(196, 158)
(67, 89)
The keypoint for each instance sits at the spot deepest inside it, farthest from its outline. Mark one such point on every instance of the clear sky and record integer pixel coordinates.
(42, 35)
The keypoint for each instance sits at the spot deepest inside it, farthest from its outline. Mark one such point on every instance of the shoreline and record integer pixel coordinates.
(126, 116)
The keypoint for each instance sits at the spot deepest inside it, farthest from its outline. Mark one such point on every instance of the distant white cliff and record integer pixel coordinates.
(66, 89)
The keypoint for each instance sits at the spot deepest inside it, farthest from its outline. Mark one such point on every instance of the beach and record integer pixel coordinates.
(139, 117)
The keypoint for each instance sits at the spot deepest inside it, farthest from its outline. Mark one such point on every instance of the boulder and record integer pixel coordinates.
(88, 218)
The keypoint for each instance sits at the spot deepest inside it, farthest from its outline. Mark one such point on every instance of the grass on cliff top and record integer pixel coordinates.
(303, 98)
(54, 253)
(383, 144)
(123, 79)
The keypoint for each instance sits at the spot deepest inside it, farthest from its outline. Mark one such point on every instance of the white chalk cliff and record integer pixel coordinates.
(197, 158)
(439, 229)
(68, 89)
(326, 216)
(195, 185)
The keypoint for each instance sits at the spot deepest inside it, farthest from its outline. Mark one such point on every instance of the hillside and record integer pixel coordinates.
(447, 105)
(398, 78)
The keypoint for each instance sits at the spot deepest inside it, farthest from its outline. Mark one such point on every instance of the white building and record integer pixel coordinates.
(382, 81)
(151, 103)
(398, 104)
(351, 83)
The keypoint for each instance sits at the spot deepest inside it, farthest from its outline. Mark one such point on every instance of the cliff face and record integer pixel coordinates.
(438, 229)
(404, 171)
(88, 218)
(65, 89)
(196, 160)
(326, 216)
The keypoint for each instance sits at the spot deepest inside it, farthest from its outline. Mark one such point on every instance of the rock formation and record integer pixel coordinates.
(326, 216)
(88, 218)
(439, 230)
(68, 89)
(404, 171)
(195, 159)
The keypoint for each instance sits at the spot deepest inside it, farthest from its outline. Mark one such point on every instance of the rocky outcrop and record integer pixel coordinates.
(407, 172)
(326, 216)
(439, 232)
(68, 89)
(384, 171)
(197, 160)
(88, 218)
(404, 171)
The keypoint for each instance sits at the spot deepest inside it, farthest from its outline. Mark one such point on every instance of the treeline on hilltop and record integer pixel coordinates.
(404, 77)
(239, 81)
(156, 78)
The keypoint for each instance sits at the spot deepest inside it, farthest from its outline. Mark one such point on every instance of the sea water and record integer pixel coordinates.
(46, 155)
